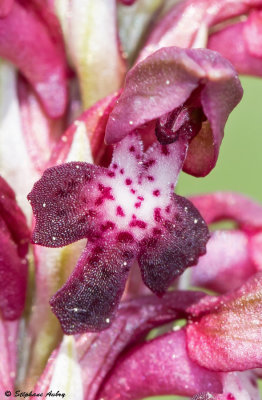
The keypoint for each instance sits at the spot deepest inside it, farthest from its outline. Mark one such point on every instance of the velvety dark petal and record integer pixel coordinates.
(227, 263)
(89, 299)
(160, 366)
(226, 332)
(230, 206)
(63, 204)
(13, 279)
(41, 61)
(177, 244)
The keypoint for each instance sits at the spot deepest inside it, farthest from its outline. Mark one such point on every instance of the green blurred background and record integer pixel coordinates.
(240, 161)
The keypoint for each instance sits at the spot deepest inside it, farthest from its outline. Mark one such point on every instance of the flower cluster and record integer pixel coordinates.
(103, 103)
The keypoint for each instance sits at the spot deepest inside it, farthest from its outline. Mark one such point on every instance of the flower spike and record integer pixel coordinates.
(126, 212)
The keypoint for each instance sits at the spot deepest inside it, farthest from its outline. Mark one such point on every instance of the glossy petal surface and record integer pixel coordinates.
(160, 366)
(172, 78)
(41, 62)
(226, 334)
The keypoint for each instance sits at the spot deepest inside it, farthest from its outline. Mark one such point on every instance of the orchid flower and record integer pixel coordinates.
(126, 212)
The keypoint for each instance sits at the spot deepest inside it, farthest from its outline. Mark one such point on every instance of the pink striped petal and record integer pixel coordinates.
(42, 62)
(225, 332)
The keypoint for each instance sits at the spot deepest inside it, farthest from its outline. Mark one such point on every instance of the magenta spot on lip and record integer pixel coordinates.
(230, 396)
(167, 209)
(150, 178)
(125, 237)
(140, 198)
(128, 181)
(108, 225)
(165, 150)
(105, 194)
(91, 213)
(156, 192)
(138, 223)
(119, 211)
(157, 214)
(149, 163)
(137, 205)
(121, 171)
(114, 166)
(111, 174)
(99, 201)
(156, 231)
(132, 149)
(132, 191)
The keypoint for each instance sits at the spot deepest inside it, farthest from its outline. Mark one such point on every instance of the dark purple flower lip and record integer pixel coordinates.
(188, 93)
(127, 211)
